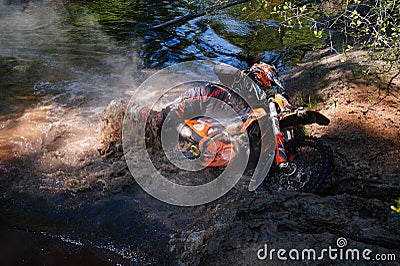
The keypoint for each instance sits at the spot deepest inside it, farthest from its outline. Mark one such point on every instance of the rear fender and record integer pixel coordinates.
(301, 118)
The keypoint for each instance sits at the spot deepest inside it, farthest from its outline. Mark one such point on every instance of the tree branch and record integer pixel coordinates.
(196, 14)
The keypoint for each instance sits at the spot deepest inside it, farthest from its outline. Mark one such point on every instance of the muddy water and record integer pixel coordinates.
(60, 66)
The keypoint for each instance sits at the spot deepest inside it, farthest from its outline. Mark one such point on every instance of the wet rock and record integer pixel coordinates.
(194, 242)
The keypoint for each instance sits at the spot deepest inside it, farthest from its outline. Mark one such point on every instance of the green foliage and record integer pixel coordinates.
(397, 207)
(373, 26)
(309, 102)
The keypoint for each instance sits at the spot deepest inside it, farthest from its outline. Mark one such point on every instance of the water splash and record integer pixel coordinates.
(82, 70)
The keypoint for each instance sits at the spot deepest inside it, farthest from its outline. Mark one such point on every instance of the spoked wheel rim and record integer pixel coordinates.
(308, 161)
(312, 161)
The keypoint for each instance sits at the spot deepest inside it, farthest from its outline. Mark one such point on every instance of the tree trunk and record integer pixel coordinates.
(196, 14)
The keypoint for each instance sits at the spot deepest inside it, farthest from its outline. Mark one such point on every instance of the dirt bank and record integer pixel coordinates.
(365, 124)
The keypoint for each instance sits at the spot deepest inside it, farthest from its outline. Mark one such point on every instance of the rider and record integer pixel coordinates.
(266, 77)
(197, 99)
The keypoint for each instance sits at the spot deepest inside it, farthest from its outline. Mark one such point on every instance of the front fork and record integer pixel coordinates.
(280, 152)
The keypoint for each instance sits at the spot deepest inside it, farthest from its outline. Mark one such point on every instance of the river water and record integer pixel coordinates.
(60, 66)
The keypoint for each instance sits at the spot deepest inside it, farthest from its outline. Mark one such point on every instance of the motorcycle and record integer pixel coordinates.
(209, 143)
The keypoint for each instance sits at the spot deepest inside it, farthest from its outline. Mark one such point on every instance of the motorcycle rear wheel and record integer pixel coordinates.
(314, 162)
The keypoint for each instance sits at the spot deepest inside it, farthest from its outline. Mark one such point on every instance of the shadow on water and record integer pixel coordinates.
(87, 228)
(48, 251)
(95, 229)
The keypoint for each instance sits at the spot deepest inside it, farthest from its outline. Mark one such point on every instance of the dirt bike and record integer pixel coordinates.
(206, 142)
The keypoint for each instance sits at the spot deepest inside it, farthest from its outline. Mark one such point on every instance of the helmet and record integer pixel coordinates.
(265, 76)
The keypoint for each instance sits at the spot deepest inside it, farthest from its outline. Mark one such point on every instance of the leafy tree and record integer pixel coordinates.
(372, 26)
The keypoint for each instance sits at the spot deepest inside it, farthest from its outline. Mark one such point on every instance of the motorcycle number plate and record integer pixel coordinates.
(199, 127)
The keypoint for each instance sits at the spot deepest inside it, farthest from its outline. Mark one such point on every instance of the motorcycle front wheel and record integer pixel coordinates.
(313, 162)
